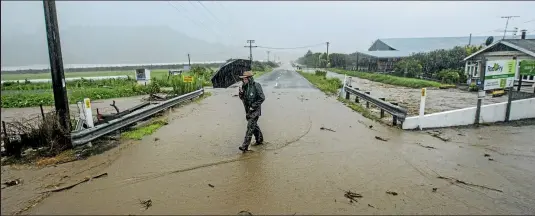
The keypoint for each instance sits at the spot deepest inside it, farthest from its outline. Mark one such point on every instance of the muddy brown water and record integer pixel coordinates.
(195, 166)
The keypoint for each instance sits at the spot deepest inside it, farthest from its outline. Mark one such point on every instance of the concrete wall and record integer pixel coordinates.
(520, 109)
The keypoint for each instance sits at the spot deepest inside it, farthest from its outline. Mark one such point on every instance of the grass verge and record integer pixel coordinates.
(140, 132)
(328, 85)
(260, 73)
(389, 79)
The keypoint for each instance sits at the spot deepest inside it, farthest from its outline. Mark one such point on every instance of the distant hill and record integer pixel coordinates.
(112, 45)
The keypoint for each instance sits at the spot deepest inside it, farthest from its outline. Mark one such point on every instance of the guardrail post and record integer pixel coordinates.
(394, 117)
(367, 102)
(347, 95)
(382, 110)
(357, 97)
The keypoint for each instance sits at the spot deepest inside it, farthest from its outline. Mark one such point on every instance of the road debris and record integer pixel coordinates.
(435, 189)
(351, 196)
(12, 182)
(490, 159)
(438, 135)
(392, 193)
(324, 128)
(235, 95)
(457, 181)
(486, 155)
(371, 126)
(369, 205)
(245, 213)
(146, 203)
(156, 139)
(428, 147)
(380, 138)
(211, 185)
(77, 183)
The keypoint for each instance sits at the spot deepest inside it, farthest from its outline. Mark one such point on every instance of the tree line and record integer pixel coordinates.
(443, 65)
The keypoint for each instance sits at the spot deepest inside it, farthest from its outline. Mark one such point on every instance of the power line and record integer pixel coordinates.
(309, 46)
(193, 21)
(210, 12)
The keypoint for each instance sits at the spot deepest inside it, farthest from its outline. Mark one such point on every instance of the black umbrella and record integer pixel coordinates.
(230, 73)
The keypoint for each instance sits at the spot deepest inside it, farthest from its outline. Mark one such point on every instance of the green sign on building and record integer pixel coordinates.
(527, 67)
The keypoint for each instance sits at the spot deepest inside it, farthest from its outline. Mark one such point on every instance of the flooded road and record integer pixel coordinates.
(193, 165)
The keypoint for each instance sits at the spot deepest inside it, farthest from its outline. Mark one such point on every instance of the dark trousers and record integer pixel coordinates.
(252, 129)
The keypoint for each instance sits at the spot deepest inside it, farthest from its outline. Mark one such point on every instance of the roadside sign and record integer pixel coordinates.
(499, 74)
(87, 103)
(186, 68)
(424, 92)
(187, 78)
(527, 67)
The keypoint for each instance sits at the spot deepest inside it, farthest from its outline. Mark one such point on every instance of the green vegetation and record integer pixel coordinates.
(429, 65)
(390, 79)
(25, 94)
(328, 85)
(140, 132)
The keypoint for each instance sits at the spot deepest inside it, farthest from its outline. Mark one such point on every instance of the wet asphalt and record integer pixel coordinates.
(194, 166)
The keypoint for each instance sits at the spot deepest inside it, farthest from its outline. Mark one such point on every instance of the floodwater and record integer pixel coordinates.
(193, 165)
(437, 100)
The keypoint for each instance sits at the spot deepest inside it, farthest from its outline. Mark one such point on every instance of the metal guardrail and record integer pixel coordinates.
(88, 135)
(396, 111)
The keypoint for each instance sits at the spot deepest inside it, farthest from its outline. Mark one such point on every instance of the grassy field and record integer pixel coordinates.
(389, 79)
(154, 73)
(18, 95)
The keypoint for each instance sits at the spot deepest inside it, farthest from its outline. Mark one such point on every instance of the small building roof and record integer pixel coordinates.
(523, 45)
(403, 47)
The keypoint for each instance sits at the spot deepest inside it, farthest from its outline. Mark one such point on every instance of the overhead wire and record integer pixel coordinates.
(283, 48)
(227, 33)
(192, 20)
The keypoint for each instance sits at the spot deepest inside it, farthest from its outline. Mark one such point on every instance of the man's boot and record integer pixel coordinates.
(244, 148)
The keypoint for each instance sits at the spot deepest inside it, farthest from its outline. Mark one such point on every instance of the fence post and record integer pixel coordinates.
(357, 97)
(382, 111)
(394, 117)
(509, 101)
(367, 102)
(42, 112)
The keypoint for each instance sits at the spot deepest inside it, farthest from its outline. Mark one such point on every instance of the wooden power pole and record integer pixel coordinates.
(61, 101)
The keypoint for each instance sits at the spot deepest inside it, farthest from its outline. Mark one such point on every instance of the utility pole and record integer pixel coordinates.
(251, 50)
(470, 40)
(268, 54)
(61, 101)
(189, 61)
(507, 23)
(327, 53)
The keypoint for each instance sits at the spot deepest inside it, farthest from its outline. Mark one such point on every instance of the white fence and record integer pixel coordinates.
(520, 109)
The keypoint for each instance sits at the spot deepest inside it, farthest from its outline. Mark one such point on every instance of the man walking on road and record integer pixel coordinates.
(252, 97)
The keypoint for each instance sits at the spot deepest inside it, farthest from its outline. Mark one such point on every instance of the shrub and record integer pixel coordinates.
(449, 76)
(321, 73)
(473, 87)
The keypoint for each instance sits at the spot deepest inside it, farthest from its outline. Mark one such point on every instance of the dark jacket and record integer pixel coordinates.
(252, 98)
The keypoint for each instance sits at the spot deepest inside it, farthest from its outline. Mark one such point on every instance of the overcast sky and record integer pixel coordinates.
(348, 25)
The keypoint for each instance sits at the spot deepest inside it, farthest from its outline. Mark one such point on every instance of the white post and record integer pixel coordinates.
(88, 113)
(342, 92)
(422, 108)
(88, 116)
